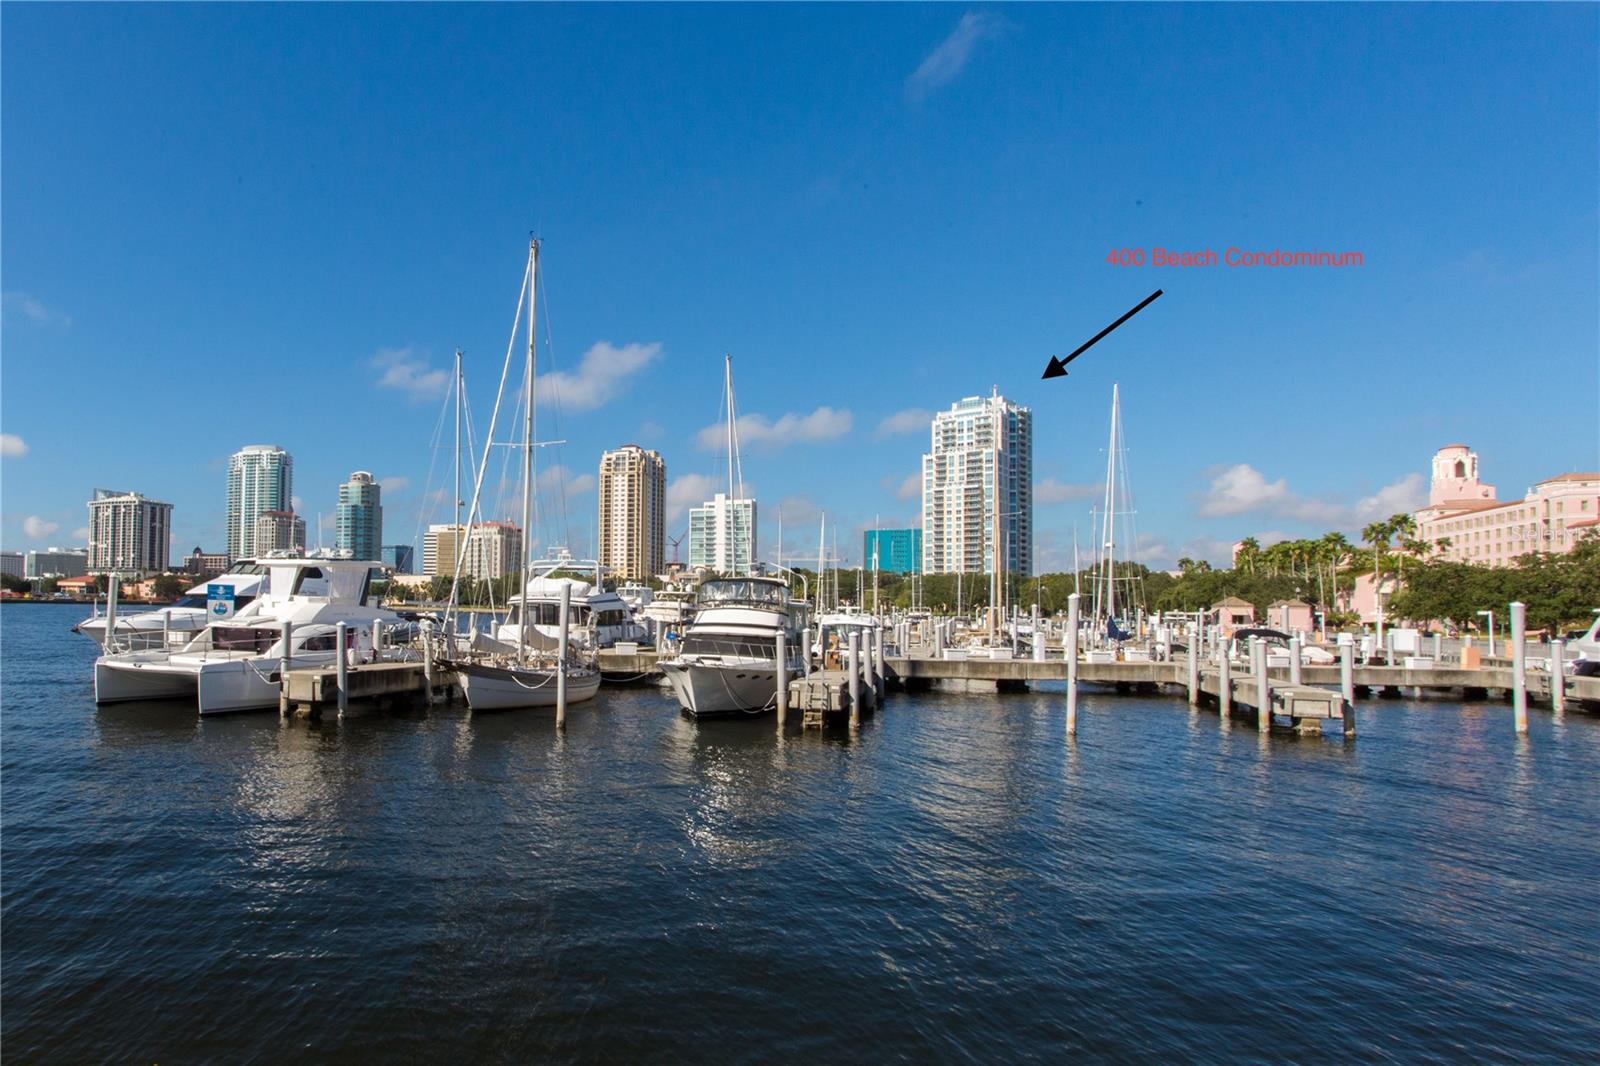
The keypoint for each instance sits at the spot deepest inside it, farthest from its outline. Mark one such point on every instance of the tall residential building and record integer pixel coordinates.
(11, 564)
(1465, 522)
(360, 520)
(722, 535)
(56, 562)
(893, 551)
(399, 557)
(260, 478)
(128, 532)
(977, 489)
(494, 549)
(439, 547)
(489, 550)
(633, 505)
(278, 531)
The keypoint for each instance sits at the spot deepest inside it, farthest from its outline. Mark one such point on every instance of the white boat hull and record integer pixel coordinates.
(127, 679)
(707, 688)
(497, 688)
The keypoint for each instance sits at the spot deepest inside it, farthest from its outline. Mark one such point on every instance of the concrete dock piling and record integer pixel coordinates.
(1194, 665)
(805, 652)
(1519, 665)
(1038, 637)
(1072, 664)
(1224, 684)
(1294, 661)
(855, 676)
(108, 644)
(1347, 670)
(782, 675)
(1263, 687)
(285, 658)
(1558, 675)
(341, 645)
(561, 654)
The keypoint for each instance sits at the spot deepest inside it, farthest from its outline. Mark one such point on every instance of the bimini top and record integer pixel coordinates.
(760, 591)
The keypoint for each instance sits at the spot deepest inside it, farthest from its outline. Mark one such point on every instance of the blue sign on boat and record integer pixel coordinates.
(219, 601)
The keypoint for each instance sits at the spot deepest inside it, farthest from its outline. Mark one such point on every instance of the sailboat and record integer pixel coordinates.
(1115, 594)
(497, 675)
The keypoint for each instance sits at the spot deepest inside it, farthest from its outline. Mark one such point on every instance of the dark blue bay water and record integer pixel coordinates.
(954, 883)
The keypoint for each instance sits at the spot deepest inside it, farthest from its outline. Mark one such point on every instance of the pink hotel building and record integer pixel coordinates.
(1480, 529)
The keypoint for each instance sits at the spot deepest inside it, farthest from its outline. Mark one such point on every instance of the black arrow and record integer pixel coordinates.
(1058, 367)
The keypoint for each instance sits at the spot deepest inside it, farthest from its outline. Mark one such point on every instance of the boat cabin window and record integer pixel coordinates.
(321, 642)
(243, 638)
(610, 618)
(310, 581)
(548, 614)
(736, 590)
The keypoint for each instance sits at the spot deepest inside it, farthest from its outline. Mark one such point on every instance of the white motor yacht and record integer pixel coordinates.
(598, 619)
(727, 664)
(185, 616)
(232, 664)
(832, 646)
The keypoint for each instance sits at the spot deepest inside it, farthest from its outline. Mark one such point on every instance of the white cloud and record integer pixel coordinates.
(758, 432)
(81, 534)
(1242, 489)
(602, 375)
(689, 490)
(911, 420)
(950, 57)
(295, 502)
(12, 446)
(557, 477)
(910, 488)
(405, 371)
(33, 310)
(38, 528)
(394, 483)
(1405, 495)
(1051, 491)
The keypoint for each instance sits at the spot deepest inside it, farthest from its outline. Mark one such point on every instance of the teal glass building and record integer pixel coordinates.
(897, 551)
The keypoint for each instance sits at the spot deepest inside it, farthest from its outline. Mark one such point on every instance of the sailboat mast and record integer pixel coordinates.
(727, 389)
(1111, 510)
(527, 452)
(822, 566)
(458, 444)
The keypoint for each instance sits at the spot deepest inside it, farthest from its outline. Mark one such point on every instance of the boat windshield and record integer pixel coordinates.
(736, 590)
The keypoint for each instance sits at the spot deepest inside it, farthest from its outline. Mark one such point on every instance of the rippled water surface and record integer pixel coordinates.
(954, 882)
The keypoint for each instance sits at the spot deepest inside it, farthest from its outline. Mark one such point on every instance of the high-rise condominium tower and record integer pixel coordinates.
(360, 518)
(633, 503)
(260, 478)
(977, 489)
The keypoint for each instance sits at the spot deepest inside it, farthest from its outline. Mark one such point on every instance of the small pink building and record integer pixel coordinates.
(1291, 616)
(1233, 613)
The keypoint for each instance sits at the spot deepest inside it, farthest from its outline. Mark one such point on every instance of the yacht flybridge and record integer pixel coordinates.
(727, 664)
(232, 664)
(182, 618)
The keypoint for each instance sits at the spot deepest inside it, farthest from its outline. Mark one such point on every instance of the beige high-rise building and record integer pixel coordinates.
(633, 507)
(128, 533)
(489, 550)
(278, 531)
(439, 548)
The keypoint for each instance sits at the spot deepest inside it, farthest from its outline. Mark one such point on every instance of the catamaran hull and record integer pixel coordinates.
(228, 688)
(130, 681)
(723, 689)
(497, 688)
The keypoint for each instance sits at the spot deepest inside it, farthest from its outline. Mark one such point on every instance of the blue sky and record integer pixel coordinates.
(227, 225)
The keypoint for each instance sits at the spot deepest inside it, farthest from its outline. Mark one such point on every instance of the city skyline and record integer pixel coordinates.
(685, 240)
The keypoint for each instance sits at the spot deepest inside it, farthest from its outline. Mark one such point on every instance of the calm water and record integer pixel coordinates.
(956, 882)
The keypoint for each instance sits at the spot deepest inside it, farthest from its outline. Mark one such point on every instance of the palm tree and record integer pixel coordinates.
(1404, 527)
(1377, 535)
(1249, 554)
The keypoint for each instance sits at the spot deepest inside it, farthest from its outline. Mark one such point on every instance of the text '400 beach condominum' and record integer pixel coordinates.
(977, 488)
